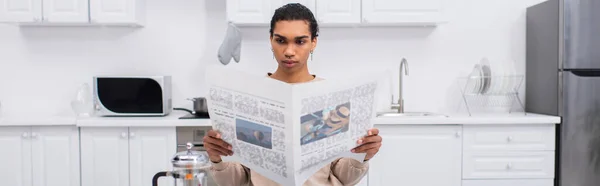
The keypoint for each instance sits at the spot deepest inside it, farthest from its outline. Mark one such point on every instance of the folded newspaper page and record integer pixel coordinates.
(287, 132)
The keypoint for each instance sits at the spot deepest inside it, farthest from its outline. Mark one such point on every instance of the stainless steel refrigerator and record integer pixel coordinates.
(563, 79)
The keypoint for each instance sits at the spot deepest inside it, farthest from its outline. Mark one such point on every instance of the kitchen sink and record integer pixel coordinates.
(410, 114)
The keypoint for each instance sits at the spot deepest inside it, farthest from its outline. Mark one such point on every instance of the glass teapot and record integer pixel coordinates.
(190, 168)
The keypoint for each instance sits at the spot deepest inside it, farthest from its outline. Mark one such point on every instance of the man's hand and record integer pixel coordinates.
(216, 147)
(369, 144)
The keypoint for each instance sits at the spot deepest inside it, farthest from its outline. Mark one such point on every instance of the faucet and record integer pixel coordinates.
(400, 105)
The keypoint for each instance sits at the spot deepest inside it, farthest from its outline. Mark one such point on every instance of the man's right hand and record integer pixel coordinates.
(216, 147)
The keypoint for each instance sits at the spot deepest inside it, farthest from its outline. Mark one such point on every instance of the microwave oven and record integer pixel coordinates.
(132, 95)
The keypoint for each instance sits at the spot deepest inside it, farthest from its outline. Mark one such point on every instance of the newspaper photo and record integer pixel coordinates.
(287, 132)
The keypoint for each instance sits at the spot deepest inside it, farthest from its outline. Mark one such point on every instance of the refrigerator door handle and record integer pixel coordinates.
(585, 73)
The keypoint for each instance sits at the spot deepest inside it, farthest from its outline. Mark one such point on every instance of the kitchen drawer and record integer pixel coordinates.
(508, 165)
(511, 138)
(509, 182)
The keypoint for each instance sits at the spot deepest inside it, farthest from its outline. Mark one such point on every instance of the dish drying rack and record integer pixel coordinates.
(484, 92)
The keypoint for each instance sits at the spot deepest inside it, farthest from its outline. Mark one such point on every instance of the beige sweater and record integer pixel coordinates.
(341, 172)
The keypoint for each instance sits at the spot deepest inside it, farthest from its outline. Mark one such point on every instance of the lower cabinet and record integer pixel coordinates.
(126, 156)
(424, 155)
(39, 156)
(515, 182)
(467, 155)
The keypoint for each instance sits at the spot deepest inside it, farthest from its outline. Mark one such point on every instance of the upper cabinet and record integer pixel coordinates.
(72, 12)
(20, 10)
(338, 11)
(117, 11)
(344, 12)
(249, 11)
(310, 4)
(402, 11)
(64, 11)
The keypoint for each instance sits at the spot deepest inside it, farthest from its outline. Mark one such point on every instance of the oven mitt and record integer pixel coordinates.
(231, 46)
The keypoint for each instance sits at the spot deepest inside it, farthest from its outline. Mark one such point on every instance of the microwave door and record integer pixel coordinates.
(130, 95)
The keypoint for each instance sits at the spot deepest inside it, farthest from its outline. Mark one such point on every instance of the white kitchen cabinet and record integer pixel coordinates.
(250, 11)
(13, 11)
(425, 155)
(123, 156)
(44, 11)
(150, 151)
(508, 165)
(259, 12)
(344, 12)
(403, 11)
(73, 12)
(16, 169)
(117, 11)
(310, 4)
(104, 156)
(338, 11)
(39, 156)
(65, 11)
(515, 182)
(515, 155)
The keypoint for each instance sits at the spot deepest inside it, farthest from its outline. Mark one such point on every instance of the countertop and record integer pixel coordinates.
(173, 120)
(36, 120)
(166, 121)
(463, 119)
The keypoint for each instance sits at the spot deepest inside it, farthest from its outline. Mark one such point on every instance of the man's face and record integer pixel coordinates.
(292, 44)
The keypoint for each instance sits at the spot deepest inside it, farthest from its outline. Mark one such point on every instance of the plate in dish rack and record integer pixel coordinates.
(474, 82)
(487, 75)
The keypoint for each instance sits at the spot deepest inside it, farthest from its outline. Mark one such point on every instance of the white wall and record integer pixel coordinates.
(41, 67)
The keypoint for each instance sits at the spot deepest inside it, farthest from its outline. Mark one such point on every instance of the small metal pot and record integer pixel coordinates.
(200, 107)
(199, 104)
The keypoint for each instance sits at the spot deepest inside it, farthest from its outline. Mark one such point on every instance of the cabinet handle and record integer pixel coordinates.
(509, 139)
(24, 135)
(457, 134)
(509, 166)
(34, 135)
(132, 134)
(123, 135)
(365, 20)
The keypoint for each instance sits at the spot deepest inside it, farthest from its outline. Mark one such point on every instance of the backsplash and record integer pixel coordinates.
(41, 67)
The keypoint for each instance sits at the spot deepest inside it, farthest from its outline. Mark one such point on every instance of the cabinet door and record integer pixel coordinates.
(310, 4)
(509, 182)
(150, 152)
(115, 11)
(338, 11)
(66, 11)
(55, 156)
(15, 158)
(417, 155)
(402, 11)
(104, 156)
(250, 11)
(20, 10)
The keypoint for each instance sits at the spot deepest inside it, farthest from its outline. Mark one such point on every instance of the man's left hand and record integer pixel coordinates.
(369, 144)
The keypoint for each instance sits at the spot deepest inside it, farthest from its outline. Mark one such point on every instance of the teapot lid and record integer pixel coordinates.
(190, 159)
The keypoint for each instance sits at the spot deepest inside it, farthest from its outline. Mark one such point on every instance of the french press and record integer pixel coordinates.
(190, 168)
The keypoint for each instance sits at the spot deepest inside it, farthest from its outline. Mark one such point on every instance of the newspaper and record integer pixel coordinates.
(287, 132)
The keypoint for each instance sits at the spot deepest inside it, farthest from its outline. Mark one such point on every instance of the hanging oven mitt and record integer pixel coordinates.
(231, 46)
